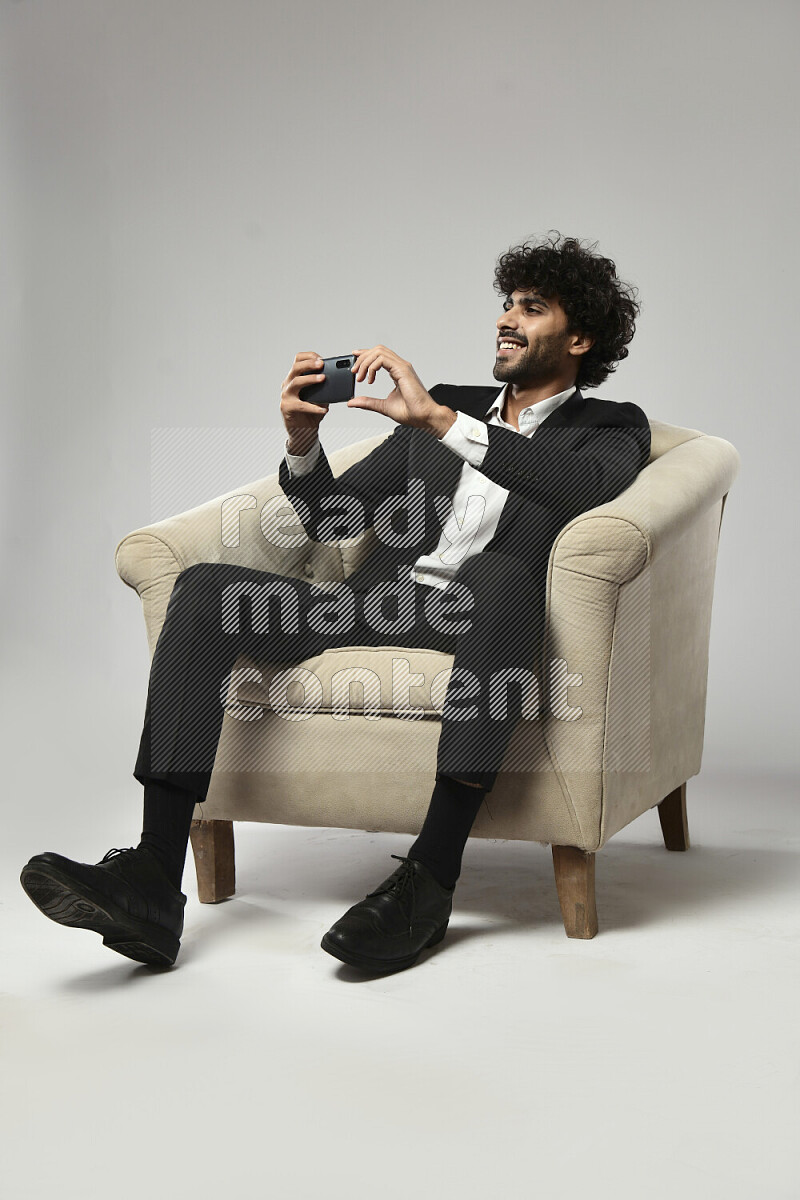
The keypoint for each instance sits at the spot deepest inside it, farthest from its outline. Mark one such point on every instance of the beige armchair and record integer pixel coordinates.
(622, 679)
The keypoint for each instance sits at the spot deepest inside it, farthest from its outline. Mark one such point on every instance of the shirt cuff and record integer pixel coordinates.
(468, 438)
(302, 464)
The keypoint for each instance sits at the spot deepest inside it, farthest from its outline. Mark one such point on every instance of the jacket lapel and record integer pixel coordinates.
(560, 418)
(441, 468)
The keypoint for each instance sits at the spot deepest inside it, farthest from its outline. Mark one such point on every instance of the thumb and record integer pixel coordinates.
(363, 402)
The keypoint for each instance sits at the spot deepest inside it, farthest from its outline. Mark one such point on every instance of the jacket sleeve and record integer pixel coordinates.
(571, 479)
(342, 507)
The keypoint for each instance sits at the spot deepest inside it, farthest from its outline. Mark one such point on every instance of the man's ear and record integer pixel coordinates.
(581, 343)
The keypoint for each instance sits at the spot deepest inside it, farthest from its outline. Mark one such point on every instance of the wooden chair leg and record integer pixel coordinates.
(574, 871)
(672, 814)
(212, 843)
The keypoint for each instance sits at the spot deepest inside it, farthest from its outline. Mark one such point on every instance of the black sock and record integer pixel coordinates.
(165, 826)
(451, 814)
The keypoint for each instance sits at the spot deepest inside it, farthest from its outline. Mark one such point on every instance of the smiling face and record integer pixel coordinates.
(534, 345)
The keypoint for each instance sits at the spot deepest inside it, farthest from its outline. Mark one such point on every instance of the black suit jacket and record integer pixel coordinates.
(583, 454)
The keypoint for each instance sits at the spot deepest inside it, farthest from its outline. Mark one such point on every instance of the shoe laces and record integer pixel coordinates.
(115, 851)
(399, 883)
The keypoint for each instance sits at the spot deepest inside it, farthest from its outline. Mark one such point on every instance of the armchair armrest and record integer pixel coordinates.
(629, 592)
(617, 540)
(150, 559)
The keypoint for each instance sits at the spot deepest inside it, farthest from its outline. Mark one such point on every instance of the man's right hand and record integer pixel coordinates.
(301, 417)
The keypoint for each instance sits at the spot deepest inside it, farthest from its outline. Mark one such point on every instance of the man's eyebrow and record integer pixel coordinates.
(533, 298)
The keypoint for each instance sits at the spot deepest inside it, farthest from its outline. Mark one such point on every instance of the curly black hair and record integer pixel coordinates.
(596, 302)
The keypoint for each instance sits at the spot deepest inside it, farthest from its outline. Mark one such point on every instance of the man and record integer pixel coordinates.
(523, 459)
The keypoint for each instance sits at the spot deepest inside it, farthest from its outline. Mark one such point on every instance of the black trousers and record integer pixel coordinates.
(219, 610)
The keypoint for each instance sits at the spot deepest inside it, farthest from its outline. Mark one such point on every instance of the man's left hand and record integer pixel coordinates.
(408, 403)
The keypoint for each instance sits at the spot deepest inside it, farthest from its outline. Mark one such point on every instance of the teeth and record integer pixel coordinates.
(509, 346)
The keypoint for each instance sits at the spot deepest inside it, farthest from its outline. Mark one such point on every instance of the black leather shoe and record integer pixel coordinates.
(390, 927)
(126, 897)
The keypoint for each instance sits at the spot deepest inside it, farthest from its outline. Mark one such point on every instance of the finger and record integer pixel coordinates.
(382, 361)
(296, 403)
(301, 366)
(301, 381)
(312, 409)
(307, 406)
(365, 356)
(376, 358)
(369, 366)
(363, 402)
(359, 354)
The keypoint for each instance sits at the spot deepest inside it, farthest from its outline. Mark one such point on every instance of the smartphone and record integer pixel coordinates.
(339, 384)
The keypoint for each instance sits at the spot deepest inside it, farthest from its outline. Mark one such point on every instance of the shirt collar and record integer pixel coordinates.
(539, 411)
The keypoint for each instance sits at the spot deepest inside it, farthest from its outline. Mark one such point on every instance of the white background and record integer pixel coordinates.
(192, 191)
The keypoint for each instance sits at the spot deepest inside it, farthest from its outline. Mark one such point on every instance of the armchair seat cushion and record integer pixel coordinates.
(388, 680)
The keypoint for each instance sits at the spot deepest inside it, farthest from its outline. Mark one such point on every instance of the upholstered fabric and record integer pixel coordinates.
(622, 679)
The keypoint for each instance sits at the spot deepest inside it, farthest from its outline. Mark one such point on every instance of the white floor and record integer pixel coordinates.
(658, 1060)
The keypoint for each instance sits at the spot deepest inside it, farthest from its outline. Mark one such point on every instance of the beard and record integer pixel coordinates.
(538, 363)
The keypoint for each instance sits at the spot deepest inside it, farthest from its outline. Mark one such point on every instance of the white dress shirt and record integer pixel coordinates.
(470, 521)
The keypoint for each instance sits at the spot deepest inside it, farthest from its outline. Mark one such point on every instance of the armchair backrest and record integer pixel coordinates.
(664, 438)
